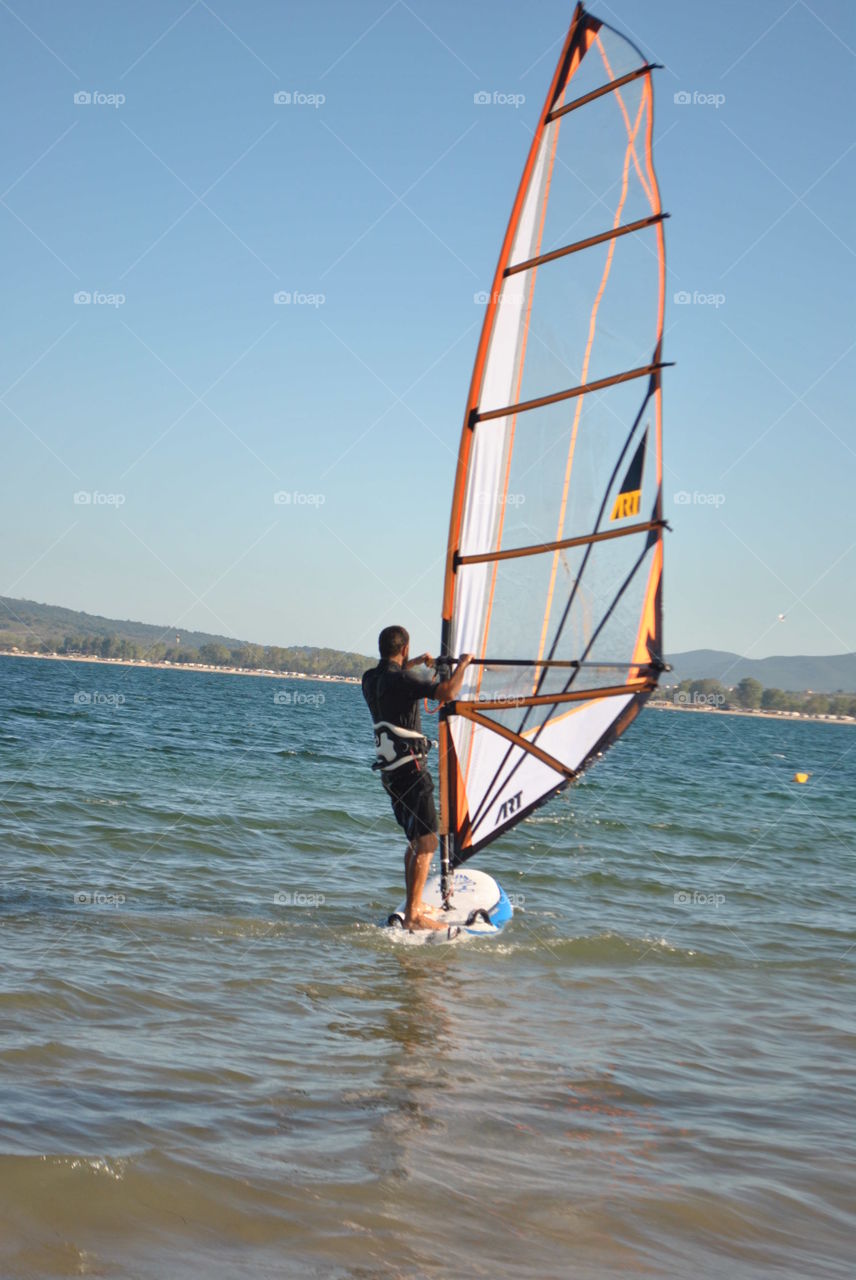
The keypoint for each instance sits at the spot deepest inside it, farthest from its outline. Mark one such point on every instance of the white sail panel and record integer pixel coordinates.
(505, 782)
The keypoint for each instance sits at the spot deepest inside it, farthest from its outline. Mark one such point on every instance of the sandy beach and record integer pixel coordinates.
(752, 715)
(178, 666)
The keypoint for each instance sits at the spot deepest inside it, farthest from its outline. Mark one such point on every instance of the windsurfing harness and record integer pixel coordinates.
(396, 746)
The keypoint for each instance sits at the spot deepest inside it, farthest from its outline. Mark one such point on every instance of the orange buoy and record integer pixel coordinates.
(801, 777)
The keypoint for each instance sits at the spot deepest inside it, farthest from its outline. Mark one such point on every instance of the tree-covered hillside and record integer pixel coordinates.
(42, 628)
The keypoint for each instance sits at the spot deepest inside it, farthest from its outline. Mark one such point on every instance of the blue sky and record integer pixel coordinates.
(185, 198)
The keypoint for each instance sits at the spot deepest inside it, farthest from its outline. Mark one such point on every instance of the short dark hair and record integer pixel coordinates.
(392, 640)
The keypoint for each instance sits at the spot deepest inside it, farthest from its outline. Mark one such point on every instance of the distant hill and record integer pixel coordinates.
(22, 617)
(821, 675)
(28, 625)
(25, 624)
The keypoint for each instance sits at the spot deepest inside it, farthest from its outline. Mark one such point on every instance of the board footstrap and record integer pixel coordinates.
(479, 914)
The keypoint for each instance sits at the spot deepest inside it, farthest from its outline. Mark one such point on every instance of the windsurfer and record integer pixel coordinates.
(393, 691)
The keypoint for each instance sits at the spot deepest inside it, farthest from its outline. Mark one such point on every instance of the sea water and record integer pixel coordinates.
(215, 1063)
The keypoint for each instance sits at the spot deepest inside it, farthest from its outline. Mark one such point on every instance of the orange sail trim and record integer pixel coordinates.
(462, 816)
(648, 623)
(661, 305)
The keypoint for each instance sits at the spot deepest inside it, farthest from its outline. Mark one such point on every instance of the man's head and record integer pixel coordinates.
(393, 642)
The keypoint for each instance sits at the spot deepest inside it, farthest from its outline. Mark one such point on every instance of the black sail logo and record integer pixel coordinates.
(509, 807)
(630, 494)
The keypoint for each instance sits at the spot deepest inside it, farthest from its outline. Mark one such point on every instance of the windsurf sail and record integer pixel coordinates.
(555, 557)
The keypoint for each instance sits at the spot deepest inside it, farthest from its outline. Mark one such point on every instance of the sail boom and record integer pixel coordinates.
(600, 384)
(604, 88)
(539, 548)
(590, 241)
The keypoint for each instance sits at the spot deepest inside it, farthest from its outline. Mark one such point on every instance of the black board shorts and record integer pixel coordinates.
(411, 792)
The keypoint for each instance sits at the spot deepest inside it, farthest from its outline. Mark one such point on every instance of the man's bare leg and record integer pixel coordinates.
(417, 863)
(409, 864)
(408, 871)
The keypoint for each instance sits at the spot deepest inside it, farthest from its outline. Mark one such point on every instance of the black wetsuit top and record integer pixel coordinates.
(394, 694)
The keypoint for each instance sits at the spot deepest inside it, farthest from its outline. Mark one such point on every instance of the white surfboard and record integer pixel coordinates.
(478, 906)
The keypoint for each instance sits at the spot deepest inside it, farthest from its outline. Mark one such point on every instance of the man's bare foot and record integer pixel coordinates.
(422, 921)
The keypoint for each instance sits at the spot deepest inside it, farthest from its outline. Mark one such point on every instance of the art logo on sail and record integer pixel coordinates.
(509, 807)
(630, 495)
(626, 504)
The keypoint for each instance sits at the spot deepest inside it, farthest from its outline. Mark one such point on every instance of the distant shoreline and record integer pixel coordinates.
(180, 666)
(329, 679)
(754, 715)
